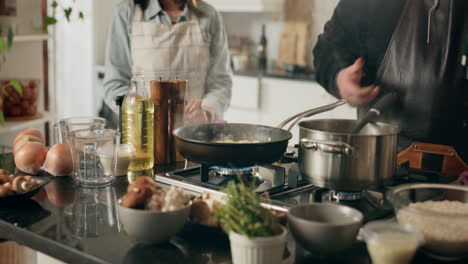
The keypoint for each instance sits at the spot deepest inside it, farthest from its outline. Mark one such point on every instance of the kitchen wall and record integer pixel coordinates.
(102, 18)
(81, 49)
(270, 100)
(250, 25)
(74, 63)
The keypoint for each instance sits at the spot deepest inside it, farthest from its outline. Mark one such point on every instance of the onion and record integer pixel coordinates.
(30, 157)
(23, 140)
(32, 132)
(59, 160)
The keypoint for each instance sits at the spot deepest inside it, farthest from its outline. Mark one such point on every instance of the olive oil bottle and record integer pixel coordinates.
(137, 124)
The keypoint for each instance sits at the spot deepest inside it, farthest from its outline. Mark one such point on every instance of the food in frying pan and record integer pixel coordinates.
(242, 141)
(11, 185)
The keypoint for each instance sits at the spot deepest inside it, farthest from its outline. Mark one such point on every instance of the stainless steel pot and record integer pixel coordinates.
(331, 156)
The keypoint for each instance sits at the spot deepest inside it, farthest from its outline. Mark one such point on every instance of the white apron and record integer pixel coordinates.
(171, 52)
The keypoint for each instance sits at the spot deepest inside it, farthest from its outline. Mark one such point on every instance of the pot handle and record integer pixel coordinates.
(327, 146)
(308, 113)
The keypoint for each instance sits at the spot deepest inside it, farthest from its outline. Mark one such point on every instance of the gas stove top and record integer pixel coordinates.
(286, 188)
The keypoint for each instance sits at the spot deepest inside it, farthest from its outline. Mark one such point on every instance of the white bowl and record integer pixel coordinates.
(324, 228)
(257, 250)
(152, 227)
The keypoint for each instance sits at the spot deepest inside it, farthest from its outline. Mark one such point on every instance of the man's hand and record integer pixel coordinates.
(348, 82)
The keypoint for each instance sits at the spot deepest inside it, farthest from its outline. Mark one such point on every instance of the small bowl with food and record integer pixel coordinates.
(440, 212)
(384, 241)
(151, 214)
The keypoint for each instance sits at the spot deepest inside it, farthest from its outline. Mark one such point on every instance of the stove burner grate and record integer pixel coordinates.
(222, 171)
(346, 196)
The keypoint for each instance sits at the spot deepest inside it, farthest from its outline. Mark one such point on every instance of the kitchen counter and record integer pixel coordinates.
(80, 225)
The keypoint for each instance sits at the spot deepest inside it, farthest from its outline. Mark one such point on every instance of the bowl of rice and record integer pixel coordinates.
(440, 212)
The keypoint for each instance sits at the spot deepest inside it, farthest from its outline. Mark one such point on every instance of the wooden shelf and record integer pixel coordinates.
(14, 126)
(29, 38)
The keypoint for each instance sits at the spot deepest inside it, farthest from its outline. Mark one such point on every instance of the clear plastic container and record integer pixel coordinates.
(390, 242)
(125, 154)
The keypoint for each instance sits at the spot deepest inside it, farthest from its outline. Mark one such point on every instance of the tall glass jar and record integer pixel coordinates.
(137, 125)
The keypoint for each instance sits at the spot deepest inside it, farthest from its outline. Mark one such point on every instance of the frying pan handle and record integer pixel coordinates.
(310, 112)
(333, 147)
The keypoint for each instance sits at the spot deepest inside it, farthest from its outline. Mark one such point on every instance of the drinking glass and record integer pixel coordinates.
(94, 153)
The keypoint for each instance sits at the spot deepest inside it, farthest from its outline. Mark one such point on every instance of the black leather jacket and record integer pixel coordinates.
(357, 28)
(363, 28)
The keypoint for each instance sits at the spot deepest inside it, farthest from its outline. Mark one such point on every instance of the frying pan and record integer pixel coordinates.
(204, 144)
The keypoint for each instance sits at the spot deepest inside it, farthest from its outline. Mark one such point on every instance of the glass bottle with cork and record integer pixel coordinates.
(137, 127)
(261, 49)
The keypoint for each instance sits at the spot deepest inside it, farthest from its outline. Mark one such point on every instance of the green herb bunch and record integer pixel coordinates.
(244, 214)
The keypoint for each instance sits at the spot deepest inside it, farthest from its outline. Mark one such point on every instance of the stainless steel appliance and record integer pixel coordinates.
(287, 188)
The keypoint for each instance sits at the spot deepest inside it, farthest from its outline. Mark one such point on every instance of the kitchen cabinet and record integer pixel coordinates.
(30, 58)
(248, 6)
(279, 99)
(245, 101)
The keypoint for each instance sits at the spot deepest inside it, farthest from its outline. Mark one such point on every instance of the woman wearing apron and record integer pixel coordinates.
(170, 39)
(412, 47)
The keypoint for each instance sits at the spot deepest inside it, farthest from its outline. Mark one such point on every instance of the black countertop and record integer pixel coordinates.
(81, 225)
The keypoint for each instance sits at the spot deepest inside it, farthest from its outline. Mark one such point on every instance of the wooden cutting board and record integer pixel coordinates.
(298, 10)
(287, 50)
(294, 42)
